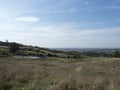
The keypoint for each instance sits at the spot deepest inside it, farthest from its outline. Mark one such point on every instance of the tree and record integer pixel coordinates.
(14, 47)
(116, 53)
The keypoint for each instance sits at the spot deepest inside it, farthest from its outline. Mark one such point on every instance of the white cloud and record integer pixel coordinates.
(27, 19)
(62, 35)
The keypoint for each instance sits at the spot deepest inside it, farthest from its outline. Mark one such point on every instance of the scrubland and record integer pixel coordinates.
(54, 73)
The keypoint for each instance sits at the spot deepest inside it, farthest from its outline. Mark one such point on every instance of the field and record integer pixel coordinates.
(60, 74)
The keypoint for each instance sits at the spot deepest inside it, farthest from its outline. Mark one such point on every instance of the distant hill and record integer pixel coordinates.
(8, 43)
(29, 50)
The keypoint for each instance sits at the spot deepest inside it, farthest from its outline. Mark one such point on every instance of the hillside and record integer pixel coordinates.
(28, 50)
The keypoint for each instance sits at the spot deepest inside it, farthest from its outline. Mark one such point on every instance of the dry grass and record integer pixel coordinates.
(60, 74)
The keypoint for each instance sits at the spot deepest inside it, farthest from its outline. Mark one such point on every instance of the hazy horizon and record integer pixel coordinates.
(61, 23)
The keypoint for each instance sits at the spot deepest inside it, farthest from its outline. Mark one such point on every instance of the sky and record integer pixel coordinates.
(61, 23)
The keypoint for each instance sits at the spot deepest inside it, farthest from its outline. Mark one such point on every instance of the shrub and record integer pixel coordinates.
(116, 53)
(14, 47)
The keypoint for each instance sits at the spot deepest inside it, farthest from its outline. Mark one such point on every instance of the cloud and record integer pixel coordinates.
(63, 35)
(27, 19)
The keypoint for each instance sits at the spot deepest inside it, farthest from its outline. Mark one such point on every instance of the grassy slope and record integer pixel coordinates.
(31, 50)
(60, 74)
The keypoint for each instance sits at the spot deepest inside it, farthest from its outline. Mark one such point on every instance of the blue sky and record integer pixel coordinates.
(61, 23)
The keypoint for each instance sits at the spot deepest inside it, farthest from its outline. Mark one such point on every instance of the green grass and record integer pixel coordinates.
(60, 74)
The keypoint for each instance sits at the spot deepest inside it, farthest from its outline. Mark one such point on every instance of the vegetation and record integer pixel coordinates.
(60, 70)
(60, 74)
(6, 48)
(14, 47)
(116, 53)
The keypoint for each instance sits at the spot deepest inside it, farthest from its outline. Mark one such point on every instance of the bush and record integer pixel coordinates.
(116, 53)
(4, 53)
(5, 86)
(14, 47)
(52, 55)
